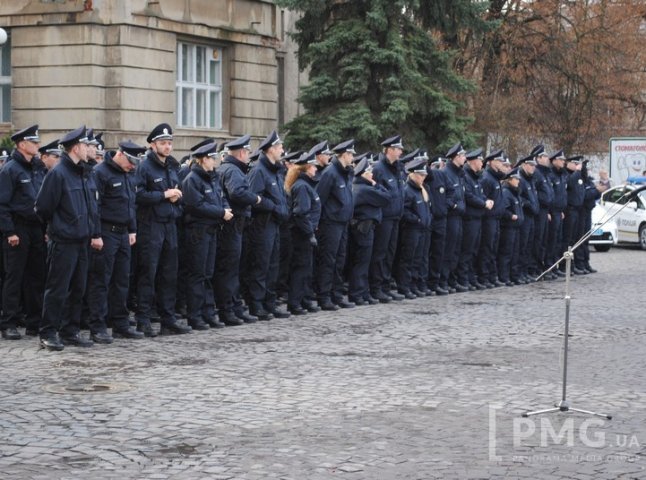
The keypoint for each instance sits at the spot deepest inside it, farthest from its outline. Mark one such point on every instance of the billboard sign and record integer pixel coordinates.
(627, 158)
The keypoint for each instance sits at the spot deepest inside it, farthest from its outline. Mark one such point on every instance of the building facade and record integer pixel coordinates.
(210, 68)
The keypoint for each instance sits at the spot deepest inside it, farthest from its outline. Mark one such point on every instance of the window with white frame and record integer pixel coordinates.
(5, 81)
(199, 86)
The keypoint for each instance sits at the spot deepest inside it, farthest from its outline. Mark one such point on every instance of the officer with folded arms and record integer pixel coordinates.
(65, 203)
(23, 239)
(110, 266)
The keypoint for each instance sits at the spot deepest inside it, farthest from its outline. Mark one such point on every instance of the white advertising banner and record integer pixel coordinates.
(627, 158)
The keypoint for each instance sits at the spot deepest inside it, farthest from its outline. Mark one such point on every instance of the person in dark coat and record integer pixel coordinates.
(262, 234)
(23, 245)
(369, 199)
(510, 222)
(531, 209)
(545, 193)
(205, 209)
(335, 191)
(592, 194)
(305, 209)
(558, 177)
(436, 183)
(416, 219)
(573, 222)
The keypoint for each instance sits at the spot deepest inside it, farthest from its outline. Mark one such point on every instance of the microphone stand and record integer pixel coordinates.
(564, 405)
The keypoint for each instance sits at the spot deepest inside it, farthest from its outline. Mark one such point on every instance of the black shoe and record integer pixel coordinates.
(578, 271)
(381, 297)
(371, 301)
(129, 333)
(472, 288)
(278, 313)
(102, 337)
(245, 317)
(328, 306)
(175, 328)
(215, 323)
(11, 333)
(441, 291)
(52, 343)
(395, 296)
(296, 310)
(558, 273)
(359, 302)
(461, 288)
(199, 325)
(77, 340)
(310, 307)
(590, 269)
(230, 320)
(407, 294)
(344, 304)
(417, 292)
(480, 286)
(147, 329)
(257, 310)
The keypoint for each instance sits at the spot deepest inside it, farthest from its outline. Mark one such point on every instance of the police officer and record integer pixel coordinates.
(323, 154)
(65, 195)
(573, 221)
(510, 222)
(23, 238)
(236, 189)
(436, 184)
(100, 148)
(415, 220)
(558, 178)
(262, 234)
(531, 209)
(305, 208)
(455, 183)
(592, 194)
(110, 266)
(205, 209)
(490, 237)
(50, 154)
(158, 207)
(335, 191)
(285, 255)
(476, 205)
(545, 193)
(369, 199)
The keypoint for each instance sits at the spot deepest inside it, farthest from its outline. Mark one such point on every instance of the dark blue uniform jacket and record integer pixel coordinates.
(305, 205)
(204, 202)
(153, 179)
(116, 188)
(335, 190)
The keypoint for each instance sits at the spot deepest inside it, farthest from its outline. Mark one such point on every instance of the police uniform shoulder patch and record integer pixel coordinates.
(25, 180)
(441, 189)
(118, 184)
(157, 180)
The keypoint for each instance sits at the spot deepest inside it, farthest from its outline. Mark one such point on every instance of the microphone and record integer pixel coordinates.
(633, 195)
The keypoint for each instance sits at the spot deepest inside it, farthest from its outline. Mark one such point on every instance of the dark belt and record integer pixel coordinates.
(111, 227)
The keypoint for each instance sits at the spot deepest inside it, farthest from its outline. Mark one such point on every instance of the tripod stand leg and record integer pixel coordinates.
(587, 412)
(539, 412)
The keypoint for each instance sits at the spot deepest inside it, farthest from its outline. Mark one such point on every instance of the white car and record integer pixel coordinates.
(629, 213)
(604, 234)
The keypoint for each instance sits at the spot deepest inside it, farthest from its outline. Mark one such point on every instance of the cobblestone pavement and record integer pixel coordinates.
(421, 389)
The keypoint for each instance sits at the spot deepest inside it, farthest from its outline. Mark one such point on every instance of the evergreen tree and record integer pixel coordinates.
(378, 67)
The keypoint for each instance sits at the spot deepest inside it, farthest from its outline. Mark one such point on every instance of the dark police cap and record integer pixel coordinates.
(321, 148)
(575, 159)
(529, 160)
(475, 154)
(538, 150)
(209, 149)
(358, 158)
(29, 133)
(100, 148)
(206, 141)
(514, 173)
(269, 141)
(91, 139)
(307, 158)
(362, 166)
(238, 143)
(74, 137)
(409, 156)
(557, 156)
(52, 148)
(455, 150)
(393, 142)
(293, 157)
(131, 150)
(436, 160)
(347, 146)
(254, 156)
(163, 131)
(417, 166)
(497, 155)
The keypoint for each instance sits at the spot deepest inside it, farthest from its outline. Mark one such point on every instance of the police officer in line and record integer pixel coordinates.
(100, 148)
(110, 267)
(456, 156)
(592, 194)
(369, 199)
(205, 210)
(416, 218)
(285, 255)
(23, 240)
(237, 191)
(65, 194)
(335, 191)
(545, 194)
(305, 208)
(490, 236)
(558, 178)
(262, 234)
(476, 205)
(50, 154)
(387, 172)
(510, 222)
(531, 209)
(323, 155)
(158, 207)
(573, 221)
(436, 184)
